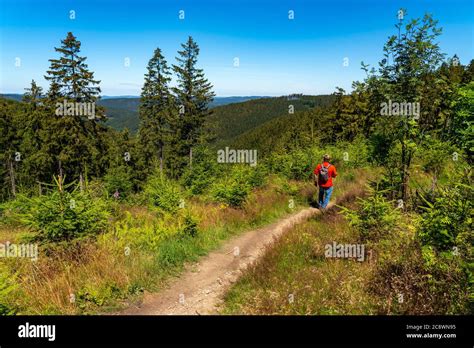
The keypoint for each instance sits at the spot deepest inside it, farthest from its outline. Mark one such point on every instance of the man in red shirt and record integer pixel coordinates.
(323, 174)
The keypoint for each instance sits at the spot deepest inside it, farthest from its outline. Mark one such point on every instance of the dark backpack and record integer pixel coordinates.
(324, 173)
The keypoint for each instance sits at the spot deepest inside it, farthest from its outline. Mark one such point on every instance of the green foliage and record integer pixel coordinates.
(230, 191)
(156, 109)
(163, 193)
(91, 296)
(190, 226)
(462, 127)
(59, 215)
(374, 217)
(146, 234)
(7, 285)
(295, 165)
(357, 153)
(234, 187)
(118, 179)
(203, 172)
(435, 155)
(447, 222)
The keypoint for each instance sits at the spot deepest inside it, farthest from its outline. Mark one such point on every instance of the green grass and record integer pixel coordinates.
(102, 277)
(294, 277)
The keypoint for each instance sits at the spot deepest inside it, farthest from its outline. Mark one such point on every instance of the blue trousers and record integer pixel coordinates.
(324, 196)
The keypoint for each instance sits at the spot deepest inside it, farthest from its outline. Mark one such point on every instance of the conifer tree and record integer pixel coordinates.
(155, 109)
(193, 95)
(33, 94)
(71, 74)
(74, 141)
(35, 158)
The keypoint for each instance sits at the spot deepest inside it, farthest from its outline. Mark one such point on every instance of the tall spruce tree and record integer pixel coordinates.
(71, 73)
(33, 94)
(34, 157)
(193, 95)
(155, 110)
(74, 141)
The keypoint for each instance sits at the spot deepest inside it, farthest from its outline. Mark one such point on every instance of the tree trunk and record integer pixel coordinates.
(81, 182)
(161, 159)
(60, 169)
(12, 178)
(190, 157)
(434, 182)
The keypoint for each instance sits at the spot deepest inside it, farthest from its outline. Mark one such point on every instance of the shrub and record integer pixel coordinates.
(445, 232)
(118, 179)
(190, 226)
(357, 153)
(230, 191)
(146, 233)
(294, 165)
(252, 176)
(379, 148)
(374, 217)
(6, 287)
(60, 215)
(203, 172)
(163, 193)
(447, 222)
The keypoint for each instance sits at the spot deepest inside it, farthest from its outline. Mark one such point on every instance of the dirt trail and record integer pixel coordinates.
(201, 287)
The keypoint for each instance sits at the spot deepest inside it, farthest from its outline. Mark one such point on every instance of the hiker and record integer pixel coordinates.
(323, 174)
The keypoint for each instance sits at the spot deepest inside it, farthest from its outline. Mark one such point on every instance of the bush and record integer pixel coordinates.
(252, 176)
(447, 222)
(294, 165)
(234, 188)
(374, 217)
(230, 191)
(190, 226)
(379, 148)
(118, 179)
(145, 233)
(59, 215)
(163, 193)
(357, 153)
(203, 172)
(6, 287)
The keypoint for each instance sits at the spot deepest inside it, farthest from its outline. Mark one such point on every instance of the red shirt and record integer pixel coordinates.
(331, 173)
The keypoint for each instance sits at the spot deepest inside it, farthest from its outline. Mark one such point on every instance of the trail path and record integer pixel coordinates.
(201, 287)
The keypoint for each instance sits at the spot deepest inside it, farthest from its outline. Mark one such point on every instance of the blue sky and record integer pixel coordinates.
(277, 56)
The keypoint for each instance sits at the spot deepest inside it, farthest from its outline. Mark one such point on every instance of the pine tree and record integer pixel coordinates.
(34, 160)
(71, 74)
(9, 146)
(193, 95)
(33, 94)
(155, 110)
(75, 142)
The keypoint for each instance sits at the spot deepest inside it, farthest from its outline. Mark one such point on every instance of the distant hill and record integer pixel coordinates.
(16, 97)
(235, 119)
(122, 111)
